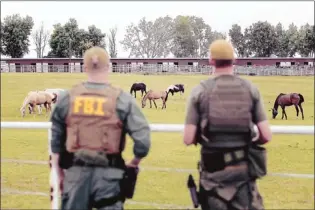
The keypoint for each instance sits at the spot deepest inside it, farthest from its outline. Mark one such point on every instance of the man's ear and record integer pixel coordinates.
(211, 61)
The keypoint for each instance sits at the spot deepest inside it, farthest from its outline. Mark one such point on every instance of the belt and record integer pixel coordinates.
(235, 167)
(113, 161)
(107, 201)
(212, 162)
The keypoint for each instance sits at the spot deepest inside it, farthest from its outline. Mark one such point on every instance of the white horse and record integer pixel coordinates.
(38, 98)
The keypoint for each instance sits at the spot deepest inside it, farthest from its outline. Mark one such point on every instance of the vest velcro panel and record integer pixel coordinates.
(228, 120)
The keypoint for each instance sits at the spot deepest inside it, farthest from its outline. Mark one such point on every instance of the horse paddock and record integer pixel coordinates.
(162, 180)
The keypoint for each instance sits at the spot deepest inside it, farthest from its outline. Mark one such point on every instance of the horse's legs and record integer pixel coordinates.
(30, 108)
(135, 93)
(282, 113)
(300, 105)
(297, 110)
(150, 103)
(155, 104)
(164, 103)
(39, 108)
(141, 92)
(33, 110)
(49, 107)
(285, 114)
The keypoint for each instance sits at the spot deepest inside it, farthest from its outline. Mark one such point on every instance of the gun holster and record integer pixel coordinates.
(128, 183)
(193, 191)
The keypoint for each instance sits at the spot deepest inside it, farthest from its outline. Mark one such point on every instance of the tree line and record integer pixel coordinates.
(182, 36)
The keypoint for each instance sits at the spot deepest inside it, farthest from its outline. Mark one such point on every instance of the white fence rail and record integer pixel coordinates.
(55, 191)
(277, 129)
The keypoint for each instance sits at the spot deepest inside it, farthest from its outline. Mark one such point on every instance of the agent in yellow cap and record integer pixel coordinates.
(221, 113)
(89, 125)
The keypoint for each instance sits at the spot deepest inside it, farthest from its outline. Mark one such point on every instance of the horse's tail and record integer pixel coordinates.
(301, 98)
(144, 87)
(131, 89)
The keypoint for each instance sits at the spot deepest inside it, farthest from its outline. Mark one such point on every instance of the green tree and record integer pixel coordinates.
(65, 40)
(184, 42)
(282, 41)
(306, 42)
(15, 31)
(261, 39)
(69, 40)
(238, 40)
(293, 36)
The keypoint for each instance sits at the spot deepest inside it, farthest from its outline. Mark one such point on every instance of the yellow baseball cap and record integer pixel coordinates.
(221, 50)
(96, 58)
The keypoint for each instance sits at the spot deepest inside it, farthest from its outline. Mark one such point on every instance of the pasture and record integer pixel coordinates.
(160, 185)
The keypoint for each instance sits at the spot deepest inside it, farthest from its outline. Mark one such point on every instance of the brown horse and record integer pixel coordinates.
(290, 99)
(153, 95)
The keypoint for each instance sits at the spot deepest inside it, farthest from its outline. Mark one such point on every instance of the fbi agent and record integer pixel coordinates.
(89, 124)
(221, 112)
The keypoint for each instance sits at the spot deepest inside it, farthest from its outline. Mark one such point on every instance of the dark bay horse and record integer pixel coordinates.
(153, 95)
(176, 88)
(290, 99)
(138, 86)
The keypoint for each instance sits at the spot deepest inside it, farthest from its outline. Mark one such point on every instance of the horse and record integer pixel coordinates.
(153, 95)
(138, 86)
(290, 99)
(39, 98)
(176, 88)
(39, 107)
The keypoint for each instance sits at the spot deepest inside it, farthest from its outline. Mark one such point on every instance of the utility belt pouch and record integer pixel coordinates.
(257, 161)
(128, 183)
(212, 162)
(65, 159)
(90, 157)
(217, 161)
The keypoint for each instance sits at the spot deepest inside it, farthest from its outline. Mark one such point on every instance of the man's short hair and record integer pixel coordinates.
(222, 53)
(96, 58)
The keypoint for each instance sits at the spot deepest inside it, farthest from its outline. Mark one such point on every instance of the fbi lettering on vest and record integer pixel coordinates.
(90, 106)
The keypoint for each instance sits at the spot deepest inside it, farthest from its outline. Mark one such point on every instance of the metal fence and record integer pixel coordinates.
(149, 69)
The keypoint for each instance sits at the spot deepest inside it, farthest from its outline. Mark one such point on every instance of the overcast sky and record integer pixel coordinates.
(219, 15)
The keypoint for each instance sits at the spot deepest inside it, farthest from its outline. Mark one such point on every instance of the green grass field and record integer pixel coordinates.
(156, 188)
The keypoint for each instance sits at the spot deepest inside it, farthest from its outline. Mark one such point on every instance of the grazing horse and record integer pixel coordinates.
(176, 88)
(153, 95)
(138, 86)
(290, 99)
(38, 98)
(39, 107)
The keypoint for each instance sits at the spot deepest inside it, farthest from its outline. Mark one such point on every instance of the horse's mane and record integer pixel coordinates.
(146, 94)
(275, 105)
(25, 102)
